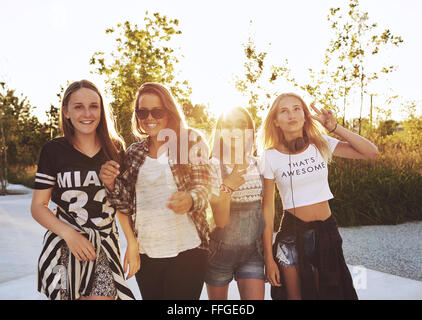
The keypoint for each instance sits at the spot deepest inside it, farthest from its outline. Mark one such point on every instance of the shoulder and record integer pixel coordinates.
(214, 161)
(269, 154)
(331, 142)
(138, 147)
(214, 164)
(55, 145)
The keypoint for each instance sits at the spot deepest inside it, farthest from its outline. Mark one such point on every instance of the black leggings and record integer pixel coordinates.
(178, 278)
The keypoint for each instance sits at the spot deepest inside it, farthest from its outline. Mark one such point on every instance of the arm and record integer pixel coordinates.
(132, 257)
(119, 186)
(77, 243)
(195, 198)
(220, 205)
(272, 272)
(221, 208)
(355, 146)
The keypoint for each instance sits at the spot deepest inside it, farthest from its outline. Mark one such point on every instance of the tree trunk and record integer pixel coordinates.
(3, 156)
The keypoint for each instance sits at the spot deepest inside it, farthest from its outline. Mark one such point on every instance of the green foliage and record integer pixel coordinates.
(199, 117)
(260, 82)
(22, 135)
(23, 175)
(387, 127)
(140, 55)
(384, 191)
(353, 47)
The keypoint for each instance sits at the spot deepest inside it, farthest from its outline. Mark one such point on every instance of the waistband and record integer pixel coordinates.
(290, 224)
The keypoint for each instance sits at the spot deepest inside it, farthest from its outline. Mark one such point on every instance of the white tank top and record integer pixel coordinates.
(161, 232)
(306, 174)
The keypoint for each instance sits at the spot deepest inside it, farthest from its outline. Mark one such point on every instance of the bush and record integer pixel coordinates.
(22, 175)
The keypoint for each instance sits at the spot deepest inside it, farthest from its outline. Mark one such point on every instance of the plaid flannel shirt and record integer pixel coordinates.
(191, 178)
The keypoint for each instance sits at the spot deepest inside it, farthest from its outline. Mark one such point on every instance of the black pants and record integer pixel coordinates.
(178, 278)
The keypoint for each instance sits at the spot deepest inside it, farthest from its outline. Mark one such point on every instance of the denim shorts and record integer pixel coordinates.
(226, 262)
(287, 254)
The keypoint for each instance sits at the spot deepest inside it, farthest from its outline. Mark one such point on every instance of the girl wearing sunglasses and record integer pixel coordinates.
(236, 242)
(165, 197)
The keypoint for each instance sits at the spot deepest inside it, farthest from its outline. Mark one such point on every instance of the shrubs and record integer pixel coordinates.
(382, 191)
(22, 175)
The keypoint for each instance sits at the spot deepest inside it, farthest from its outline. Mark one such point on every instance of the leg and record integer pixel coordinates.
(292, 282)
(150, 278)
(251, 289)
(217, 293)
(185, 276)
(250, 275)
(316, 274)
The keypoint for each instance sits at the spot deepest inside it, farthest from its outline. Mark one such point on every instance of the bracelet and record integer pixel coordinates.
(335, 127)
(226, 189)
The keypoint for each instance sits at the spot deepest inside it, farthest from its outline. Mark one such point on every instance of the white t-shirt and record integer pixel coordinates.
(301, 179)
(161, 232)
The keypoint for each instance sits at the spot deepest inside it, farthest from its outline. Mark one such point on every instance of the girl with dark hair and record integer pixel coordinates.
(306, 261)
(81, 256)
(163, 186)
(236, 242)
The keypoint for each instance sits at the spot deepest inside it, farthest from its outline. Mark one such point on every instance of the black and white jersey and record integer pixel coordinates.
(81, 197)
(74, 177)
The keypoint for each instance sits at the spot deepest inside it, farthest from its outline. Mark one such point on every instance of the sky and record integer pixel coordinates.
(45, 43)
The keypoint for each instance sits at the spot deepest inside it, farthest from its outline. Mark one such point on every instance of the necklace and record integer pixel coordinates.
(85, 152)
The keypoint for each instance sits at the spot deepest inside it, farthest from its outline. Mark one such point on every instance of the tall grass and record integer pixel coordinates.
(382, 191)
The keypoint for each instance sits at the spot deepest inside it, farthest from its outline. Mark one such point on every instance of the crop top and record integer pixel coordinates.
(303, 176)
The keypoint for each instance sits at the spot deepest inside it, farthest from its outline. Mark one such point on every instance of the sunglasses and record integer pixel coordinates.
(157, 113)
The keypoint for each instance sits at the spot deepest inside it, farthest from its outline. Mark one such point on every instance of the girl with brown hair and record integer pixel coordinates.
(306, 260)
(80, 258)
(163, 186)
(236, 241)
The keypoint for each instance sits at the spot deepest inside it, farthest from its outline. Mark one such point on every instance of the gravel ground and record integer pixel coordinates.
(392, 249)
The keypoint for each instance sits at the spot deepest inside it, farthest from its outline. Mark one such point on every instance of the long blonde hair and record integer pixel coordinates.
(272, 136)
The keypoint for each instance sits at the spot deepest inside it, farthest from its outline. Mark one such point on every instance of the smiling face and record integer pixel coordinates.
(156, 120)
(84, 111)
(290, 116)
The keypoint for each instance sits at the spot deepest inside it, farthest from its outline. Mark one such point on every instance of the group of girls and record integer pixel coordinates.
(160, 187)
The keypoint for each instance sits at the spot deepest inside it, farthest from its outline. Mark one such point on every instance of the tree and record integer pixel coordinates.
(53, 115)
(199, 117)
(353, 48)
(258, 83)
(140, 55)
(22, 135)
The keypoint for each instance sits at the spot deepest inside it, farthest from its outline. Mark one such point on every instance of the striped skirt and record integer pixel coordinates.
(62, 277)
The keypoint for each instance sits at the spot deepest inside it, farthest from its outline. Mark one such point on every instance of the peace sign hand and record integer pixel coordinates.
(325, 117)
(235, 179)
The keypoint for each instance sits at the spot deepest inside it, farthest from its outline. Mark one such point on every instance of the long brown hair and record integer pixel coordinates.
(272, 136)
(176, 119)
(110, 141)
(217, 141)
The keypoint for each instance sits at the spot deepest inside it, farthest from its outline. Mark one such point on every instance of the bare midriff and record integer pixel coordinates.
(314, 212)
